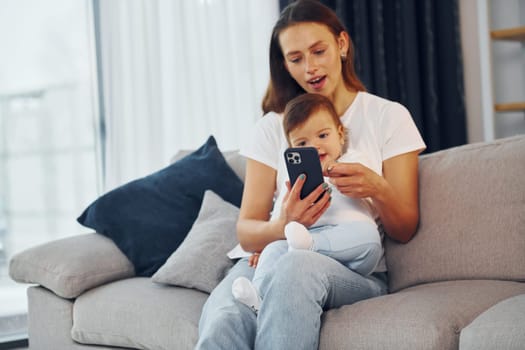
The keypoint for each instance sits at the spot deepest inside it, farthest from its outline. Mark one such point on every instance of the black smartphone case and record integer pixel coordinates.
(304, 160)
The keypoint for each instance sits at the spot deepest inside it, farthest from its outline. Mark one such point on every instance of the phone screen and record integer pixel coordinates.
(304, 160)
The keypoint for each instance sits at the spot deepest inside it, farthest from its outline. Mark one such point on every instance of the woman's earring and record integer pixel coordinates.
(343, 57)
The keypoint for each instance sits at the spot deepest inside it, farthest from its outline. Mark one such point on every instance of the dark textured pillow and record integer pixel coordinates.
(149, 218)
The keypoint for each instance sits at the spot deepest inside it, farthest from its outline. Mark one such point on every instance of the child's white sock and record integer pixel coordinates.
(244, 291)
(298, 236)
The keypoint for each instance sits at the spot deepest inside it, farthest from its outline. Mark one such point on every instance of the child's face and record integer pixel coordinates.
(321, 132)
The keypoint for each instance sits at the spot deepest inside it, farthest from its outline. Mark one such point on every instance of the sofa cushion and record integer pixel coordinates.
(149, 218)
(69, 266)
(137, 313)
(50, 320)
(472, 217)
(426, 317)
(500, 327)
(201, 262)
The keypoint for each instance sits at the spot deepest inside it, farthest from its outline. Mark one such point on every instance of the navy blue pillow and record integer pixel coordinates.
(149, 218)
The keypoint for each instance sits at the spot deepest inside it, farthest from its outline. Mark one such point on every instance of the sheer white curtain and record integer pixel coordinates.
(175, 72)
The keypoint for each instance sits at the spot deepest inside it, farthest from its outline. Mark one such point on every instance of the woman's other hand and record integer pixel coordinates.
(307, 210)
(355, 180)
(394, 195)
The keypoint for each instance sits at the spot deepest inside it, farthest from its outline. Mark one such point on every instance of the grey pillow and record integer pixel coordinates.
(200, 262)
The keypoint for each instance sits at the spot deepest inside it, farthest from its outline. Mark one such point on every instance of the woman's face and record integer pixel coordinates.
(312, 56)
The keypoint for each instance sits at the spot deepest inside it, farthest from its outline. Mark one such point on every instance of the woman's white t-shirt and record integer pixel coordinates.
(378, 128)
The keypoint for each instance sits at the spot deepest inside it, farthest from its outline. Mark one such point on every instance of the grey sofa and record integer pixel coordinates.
(458, 284)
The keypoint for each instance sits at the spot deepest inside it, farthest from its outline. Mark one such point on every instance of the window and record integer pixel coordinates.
(48, 133)
(155, 77)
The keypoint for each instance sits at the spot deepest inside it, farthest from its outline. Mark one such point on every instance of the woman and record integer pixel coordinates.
(310, 51)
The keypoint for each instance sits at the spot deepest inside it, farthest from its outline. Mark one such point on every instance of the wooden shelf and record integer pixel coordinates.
(510, 107)
(515, 34)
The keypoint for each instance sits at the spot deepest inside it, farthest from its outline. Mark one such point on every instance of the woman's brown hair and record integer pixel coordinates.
(282, 87)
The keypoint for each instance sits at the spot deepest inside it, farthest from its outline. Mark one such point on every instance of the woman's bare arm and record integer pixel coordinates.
(398, 202)
(254, 230)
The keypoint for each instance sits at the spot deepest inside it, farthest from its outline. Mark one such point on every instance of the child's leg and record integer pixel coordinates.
(267, 261)
(356, 245)
(246, 291)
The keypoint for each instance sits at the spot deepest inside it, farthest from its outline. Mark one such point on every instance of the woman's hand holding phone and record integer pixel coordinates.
(308, 198)
(309, 209)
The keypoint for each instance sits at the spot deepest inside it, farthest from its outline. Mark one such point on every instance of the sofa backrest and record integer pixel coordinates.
(233, 158)
(237, 162)
(472, 217)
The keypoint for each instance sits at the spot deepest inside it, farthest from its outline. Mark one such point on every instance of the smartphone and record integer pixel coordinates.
(304, 160)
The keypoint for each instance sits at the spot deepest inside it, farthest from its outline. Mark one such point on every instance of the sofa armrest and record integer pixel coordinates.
(69, 266)
(500, 327)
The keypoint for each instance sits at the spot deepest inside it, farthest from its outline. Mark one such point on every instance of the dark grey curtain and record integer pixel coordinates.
(409, 51)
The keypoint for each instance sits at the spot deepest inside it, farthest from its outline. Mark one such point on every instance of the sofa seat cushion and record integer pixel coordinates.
(138, 313)
(500, 327)
(49, 322)
(423, 317)
(472, 217)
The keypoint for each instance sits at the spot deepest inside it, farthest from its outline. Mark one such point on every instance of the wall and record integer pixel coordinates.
(494, 71)
(508, 65)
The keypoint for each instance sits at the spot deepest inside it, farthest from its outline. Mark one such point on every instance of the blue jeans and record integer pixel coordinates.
(356, 245)
(302, 285)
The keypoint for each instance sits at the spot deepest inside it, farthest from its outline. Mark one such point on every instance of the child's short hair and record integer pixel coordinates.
(300, 108)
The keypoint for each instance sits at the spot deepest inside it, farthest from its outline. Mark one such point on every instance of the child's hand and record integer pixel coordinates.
(253, 260)
(328, 166)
